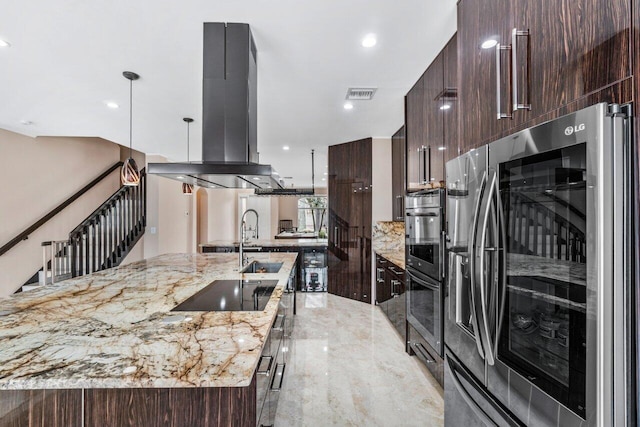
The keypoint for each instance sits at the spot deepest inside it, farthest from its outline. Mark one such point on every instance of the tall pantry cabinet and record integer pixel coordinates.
(349, 187)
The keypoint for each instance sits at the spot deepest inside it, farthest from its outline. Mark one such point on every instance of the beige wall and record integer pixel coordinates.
(171, 225)
(382, 207)
(37, 175)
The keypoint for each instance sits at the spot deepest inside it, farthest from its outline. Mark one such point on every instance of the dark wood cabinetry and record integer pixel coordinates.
(398, 159)
(349, 264)
(449, 100)
(430, 120)
(551, 55)
(391, 295)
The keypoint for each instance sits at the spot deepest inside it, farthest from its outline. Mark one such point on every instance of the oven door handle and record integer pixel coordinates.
(418, 214)
(472, 269)
(486, 299)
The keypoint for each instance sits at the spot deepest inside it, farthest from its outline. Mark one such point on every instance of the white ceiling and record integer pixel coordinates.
(67, 56)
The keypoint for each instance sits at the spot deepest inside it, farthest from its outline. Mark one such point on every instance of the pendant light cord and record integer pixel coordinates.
(130, 117)
(188, 123)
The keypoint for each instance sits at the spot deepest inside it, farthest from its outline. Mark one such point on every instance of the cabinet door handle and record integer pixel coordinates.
(269, 361)
(515, 33)
(276, 385)
(280, 327)
(335, 235)
(379, 274)
(422, 353)
(500, 114)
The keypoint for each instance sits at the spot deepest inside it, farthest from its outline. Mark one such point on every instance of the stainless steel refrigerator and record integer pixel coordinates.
(539, 292)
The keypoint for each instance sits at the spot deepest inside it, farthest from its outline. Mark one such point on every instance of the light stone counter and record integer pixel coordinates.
(388, 241)
(106, 330)
(270, 243)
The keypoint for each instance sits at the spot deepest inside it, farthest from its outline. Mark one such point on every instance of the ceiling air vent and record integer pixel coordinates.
(360, 93)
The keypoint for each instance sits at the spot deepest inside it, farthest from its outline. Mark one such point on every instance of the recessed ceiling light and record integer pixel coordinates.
(348, 106)
(26, 122)
(442, 148)
(445, 107)
(326, 173)
(369, 40)
(285, 148)
(324, 179)
(489, 43)
(255, 178)
(180, 177)
(112, 104)
(4, 43)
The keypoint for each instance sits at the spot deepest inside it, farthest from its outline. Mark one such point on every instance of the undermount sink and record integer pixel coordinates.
(262, 267)
(230, 295)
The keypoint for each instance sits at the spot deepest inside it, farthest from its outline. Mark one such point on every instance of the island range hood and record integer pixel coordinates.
(229, 119)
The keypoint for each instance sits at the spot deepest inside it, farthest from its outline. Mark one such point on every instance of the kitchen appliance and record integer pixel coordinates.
(424, 232)
(230, 295)
(539, 257)
(424, 307)
(229, 116)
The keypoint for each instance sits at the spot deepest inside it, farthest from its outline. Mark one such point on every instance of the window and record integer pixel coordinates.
(312, 214)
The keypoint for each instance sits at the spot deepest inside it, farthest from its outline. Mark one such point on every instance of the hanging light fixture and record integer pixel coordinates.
(187, 189)
(130, 175)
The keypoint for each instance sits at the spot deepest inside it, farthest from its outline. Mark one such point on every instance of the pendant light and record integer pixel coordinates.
(187, 189)
(130, 176)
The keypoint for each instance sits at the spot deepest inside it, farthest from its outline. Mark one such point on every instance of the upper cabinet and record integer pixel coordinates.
(398, 160)
(430, 121)
(548, 55)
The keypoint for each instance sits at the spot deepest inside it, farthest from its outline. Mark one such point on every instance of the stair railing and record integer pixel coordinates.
(106, 236)
(56, 262)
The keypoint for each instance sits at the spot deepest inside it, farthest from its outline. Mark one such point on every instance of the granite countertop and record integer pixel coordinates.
(106, 329)
(557, 269)
(270, 243)
(388, 241)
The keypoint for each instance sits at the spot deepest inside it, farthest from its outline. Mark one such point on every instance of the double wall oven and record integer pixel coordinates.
(424, 225)
(538, 303)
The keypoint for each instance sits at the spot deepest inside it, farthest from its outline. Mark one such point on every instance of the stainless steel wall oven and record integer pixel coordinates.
(424, 232)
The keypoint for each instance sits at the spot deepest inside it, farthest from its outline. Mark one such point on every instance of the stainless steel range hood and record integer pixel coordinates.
(229, 119)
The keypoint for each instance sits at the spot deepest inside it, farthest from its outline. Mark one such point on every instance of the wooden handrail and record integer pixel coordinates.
(25, 234)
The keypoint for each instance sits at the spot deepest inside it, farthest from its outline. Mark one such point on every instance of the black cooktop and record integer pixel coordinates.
(230, 295)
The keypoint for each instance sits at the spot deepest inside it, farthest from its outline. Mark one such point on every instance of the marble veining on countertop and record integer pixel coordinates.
(270, 243)
(388, 240)
(557, 269)
(113, 329)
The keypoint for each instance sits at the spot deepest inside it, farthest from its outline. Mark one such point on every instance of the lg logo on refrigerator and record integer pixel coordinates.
(570, 130)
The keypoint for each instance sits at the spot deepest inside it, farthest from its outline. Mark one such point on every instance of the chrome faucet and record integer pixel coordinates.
(243, 235)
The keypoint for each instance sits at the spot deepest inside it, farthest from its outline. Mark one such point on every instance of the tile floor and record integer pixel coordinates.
(348, 367)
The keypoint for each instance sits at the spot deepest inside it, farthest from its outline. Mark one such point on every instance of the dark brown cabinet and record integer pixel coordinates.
(414, 134)
(550, 54)
(449, 100)
(349, 261)
(390, 294)
(431, 120)
(398, 159)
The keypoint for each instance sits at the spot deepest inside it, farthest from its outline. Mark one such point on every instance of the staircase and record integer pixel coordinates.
(99, 242)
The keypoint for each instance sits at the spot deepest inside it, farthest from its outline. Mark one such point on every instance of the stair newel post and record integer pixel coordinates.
(73, 255)
(144, 200)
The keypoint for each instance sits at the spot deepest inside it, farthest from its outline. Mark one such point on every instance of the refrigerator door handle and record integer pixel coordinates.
(482, 416)
(484, 291)
(472, 270)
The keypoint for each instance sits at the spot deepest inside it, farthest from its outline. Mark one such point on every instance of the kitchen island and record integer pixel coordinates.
(105, 349)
